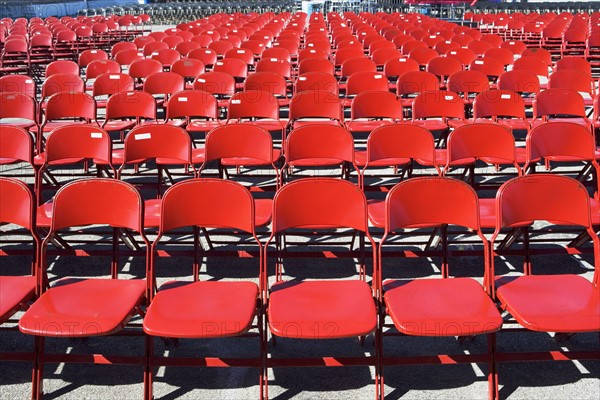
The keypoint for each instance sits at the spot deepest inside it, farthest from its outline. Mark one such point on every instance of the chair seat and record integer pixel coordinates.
(365, 125)
(50, 126)
(307, 121)
(360, 158)
(487, 213)
(315, 162)
(441, 157)
(201, 126)
(551, 303)
(263, 212)
(40, 159)
(202, 309)
(44, 214)
(441, 307)
(83, 308)
(249, 162)
(14, 291)
(321, 309)
(431, 124)
(376, 212)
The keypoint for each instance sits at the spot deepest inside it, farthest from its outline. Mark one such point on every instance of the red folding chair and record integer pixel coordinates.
(203, 309)
(303, 308)
(537, 301)
(451, 306)
(71, 308)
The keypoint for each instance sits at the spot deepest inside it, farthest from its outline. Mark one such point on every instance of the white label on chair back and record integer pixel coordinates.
(432, 36)
(219, 63)
(130, 93)
(240, 51)
(343, 25)
(210, 32)
(505, 96)
(450, 97)
(143, 136)
(378, 76)
(201, 80)
(140, 54)
(479, 62)
(93, 51)
(448, 41)
(273, 59)
(207, 52)
(237, 101)
(28, 81)
(302, 78)
(96, 135)
(511, 43)
(114, 76)
(402, 59)
(182, 99)
(155, 53)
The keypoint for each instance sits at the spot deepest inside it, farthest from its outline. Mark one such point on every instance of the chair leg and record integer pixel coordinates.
(492, 368)
(148, 393)
(37, 377)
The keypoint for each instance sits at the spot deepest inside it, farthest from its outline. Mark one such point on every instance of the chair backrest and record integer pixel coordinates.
(520, 81)
(401, 141)
(129, 104)
(415, 202)
(399, 65)
(233, 66)
(357, 64)
(98, 67)
(252, 104)
(482, 141)
(62, 67)
(166, 56)
(315, 104)
(270, 82)
(157, 140)
(19, 84)
(315, 64)
(76, 142)
(62, 83)
(17, 144)
(217, 83)
(207, 56)
(108, 83)
(551, 102)
(466, 82)
(192, 103)
(319, 141)
(416, 82)
(17, 204)
(324, 202)
(376, 104)
(209, 203)
(239, 140)
(70, 105)
(98, 201)
(558, 139)
(188, 68)
(572, 79)
(316, 80)
(17, 105)
(362, 81)
(164, 83)
(128, 56)
(140, 69)
(438, 103)
(498, 103)
(559, 199)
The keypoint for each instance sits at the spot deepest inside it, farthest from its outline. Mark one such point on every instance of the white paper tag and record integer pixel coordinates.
(114, 76)
(449, 97)
(378, 76)
(505, 96)
(237, 101)
(142, 136)
(478, 62)
(201, 80)
(182, 99)
(241, 52)
(96, 135)
(302, 78)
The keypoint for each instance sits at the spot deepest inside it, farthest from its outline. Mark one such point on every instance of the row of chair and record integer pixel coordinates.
(301, 308)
